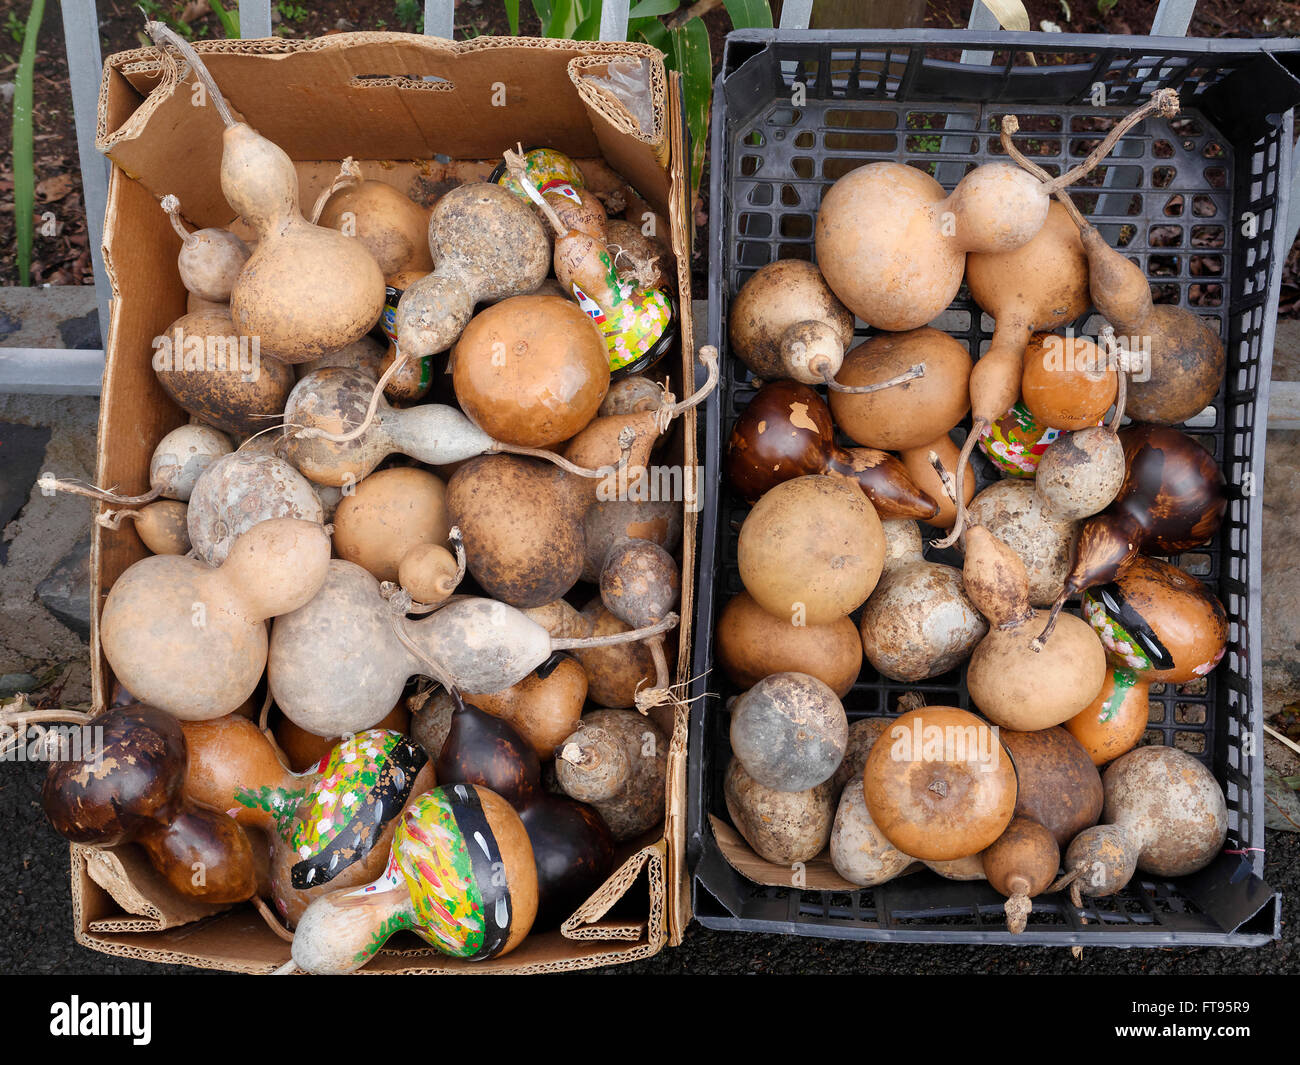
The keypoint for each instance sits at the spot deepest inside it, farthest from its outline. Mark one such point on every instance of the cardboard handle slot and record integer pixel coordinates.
(413, 82)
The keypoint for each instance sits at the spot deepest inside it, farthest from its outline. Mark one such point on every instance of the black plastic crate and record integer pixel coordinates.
(1174, 190)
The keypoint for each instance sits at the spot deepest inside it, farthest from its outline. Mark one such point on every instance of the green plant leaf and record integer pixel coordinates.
(543, 9)
(652, 9)
(512, 16)
(563, 20)
(691, 59)
(24, 168)
(229, 20)
(652, 31)
(589, 28)
(749, 14)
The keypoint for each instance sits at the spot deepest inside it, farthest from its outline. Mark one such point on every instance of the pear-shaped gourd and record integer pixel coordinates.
(191, 639)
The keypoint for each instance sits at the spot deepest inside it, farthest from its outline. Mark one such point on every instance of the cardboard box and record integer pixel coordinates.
(422, 114)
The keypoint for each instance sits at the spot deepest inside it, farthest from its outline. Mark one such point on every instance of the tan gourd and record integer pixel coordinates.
(1011, 510)
(305, 290)
(617, 761)
(545, 708)
(388, 516)
(389, 225)
(210, 259)
(160, 525)
(192, 640)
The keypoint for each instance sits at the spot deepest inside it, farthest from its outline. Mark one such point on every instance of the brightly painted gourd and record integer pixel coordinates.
(330, 827)
(461, 876)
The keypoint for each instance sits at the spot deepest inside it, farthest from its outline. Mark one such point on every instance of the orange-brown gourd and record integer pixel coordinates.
(1113, 723)
(1066, 382)
(939, 785)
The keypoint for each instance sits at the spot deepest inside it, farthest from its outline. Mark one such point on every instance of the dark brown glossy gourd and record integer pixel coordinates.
(786, 432)
(1060, 788)
(1172, 499)
(136, 796)
(572, 845)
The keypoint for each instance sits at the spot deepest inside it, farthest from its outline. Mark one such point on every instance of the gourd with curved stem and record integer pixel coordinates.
(390, 226)
(161, 525)
(486, 246)
(893, 247)
(1042, 285)
(785, 431)
(786, 323)
(461, 876)
(1164, 814)
(210, 259)
(191, 639)
(325, 408)
(1184, 357)
(640, 584)
(469, 643)
(135, 794)
(1172, 499)
(637, 323)
(331, 826)
(305, 290)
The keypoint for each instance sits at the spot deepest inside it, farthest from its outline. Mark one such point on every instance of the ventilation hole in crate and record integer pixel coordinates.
(795, 251)
(802, 166)
(865, 118)
(1189, 714)
(928, 142)
(1205, 295)
(1216, 177)
(1174, 206)
(1165, 293)
(1162, 149)
(1204, 206)
(930, 168)
(754, 225)
(1186, 127)
(1164, 266)
(1195, 563)
(1206, 265)
(749, 165)
(835, 168)
(752, 254)
(783, 116)
(755, 139)
(798, 226)
(760, 196)
(1164, 236)
(1191, 742)
(789, 196)
(1207, 236)
(1163, 176)
(1152, 738)
(1158, 688)
(1125, 236)
(807, 139)
(1155, 711)
(1033, 146)
(1214, 150)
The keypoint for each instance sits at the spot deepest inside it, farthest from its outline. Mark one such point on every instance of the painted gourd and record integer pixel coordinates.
(135, 794)
(191, 639)
(786, 431)
(331, 826)
(1113, 723)
(1158, 621)
(1016, 442)
(460, 875)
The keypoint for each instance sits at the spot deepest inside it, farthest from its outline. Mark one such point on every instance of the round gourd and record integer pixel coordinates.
(915, 412)
(1066, 382)
(182, 456)
(783, 827)
(939, 785)
(1113, 723)
(1080, 474)
(789, 731)
(389, 514)
(1059, 785)
(531, 370)
(811, 550)
(752, 644)
(1011, 511)
(918, 622)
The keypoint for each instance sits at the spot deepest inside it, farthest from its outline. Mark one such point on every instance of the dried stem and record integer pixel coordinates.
(161, 35)
(860, 390)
